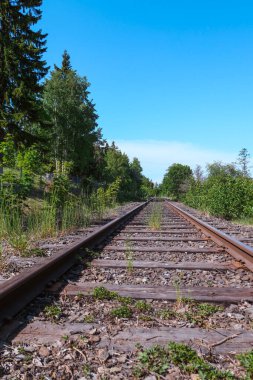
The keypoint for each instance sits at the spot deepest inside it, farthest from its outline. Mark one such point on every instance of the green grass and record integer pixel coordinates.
(248, 221)
(155, 219)
(129, 256)
(22, 224)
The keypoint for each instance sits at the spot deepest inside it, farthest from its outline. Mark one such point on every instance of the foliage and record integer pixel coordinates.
(148, 188)
(225, 192)
(243, 161)
(198, 312)
(122, 312)
(133, 185)
(246, 361)
(157, 360)
(194, 312)
(176, 181)
(142, 305)
(155, 217)
(59, 189)
(101, 293)
(21, 67)
(72, 115)
(8, 151)
(154, 359)
(129, 256)
(53, 311)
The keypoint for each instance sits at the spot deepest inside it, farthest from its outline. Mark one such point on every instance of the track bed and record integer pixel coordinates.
(158, 278)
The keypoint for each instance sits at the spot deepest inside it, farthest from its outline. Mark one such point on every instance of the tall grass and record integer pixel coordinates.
(21, 227)
(155, 218)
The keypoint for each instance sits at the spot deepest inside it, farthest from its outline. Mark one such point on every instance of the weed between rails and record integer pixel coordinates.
(190, 311)
(246, 361)
(184, 309)
(157, 360)
(53, 312)
(129, 256)
(155, 218)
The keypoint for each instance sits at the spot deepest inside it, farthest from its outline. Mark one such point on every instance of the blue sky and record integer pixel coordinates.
(172, 80)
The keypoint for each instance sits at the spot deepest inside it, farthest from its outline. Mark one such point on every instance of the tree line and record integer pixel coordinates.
(48, 121)
(225, 190)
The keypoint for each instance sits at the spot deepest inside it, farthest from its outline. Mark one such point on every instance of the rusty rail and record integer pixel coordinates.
(18, 291)
(237, 249)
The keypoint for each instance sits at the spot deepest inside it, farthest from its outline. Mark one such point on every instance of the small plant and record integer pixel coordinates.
(142, 305)
(125, 300)
(89, 318)
(145, 318)
(102, 293)
(86, 369)
(129, 256)
(206, 309)
(188, 361)
(157, 359)
(198, 312)
(19, 241)
(53, 311)
(38, 252)
(154, 360)
(155, 218)
(166, 313)
(246, 361)
(21, 350)
(122, 312)
(27, 356)
(177, 286)
(3, 263)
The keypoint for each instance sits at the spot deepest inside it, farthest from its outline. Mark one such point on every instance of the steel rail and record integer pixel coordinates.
(18, 291)
(234, 247)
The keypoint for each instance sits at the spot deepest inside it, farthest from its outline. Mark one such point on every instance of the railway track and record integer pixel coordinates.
(156, 275)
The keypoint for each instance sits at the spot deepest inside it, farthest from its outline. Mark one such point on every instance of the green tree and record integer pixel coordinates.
(21, 67)
(73, 117)
(117, 166)
(177, 180)
(136, 178)
(218, 170)
(243, 161)
(148, 188)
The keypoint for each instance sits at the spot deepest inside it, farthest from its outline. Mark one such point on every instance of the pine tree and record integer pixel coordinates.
(243, 161)
(21, 67)
(66, 65)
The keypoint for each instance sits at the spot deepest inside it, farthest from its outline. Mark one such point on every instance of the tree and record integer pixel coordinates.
(148, 188)
(117, 166)
(198, 174)
(136, 177)
(176, 180)
(243, 161)
(73, 117)
(21, 67)
(219, 170)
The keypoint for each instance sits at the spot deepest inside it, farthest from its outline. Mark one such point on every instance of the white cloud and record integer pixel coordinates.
(156, 156)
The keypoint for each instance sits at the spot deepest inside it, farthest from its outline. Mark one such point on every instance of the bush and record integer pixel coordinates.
(223, 196)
